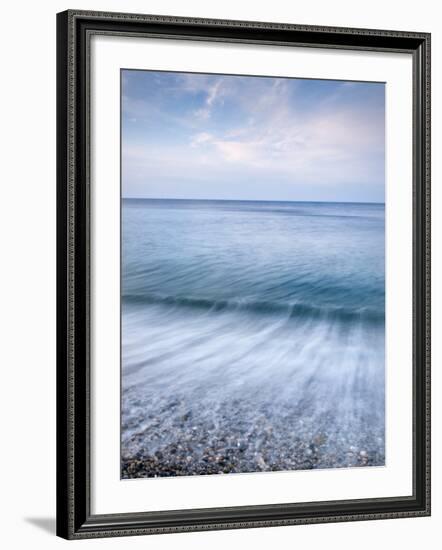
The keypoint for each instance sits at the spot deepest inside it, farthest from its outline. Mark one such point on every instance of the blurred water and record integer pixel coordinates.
(252, 336)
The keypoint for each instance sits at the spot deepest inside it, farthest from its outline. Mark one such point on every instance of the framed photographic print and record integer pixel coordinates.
(243, 274)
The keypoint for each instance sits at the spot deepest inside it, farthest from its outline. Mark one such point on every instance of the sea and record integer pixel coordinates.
(253, 336)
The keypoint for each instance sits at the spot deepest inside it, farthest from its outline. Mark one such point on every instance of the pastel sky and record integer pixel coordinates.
(201, 136)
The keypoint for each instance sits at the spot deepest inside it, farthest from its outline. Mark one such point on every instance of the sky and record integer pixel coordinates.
(227, 137)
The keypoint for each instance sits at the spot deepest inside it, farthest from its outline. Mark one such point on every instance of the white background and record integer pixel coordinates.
(27, 219)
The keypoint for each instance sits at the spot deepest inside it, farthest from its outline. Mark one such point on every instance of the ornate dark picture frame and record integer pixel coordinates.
(74, 518)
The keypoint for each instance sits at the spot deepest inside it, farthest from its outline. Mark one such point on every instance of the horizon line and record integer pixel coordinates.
(248, 200)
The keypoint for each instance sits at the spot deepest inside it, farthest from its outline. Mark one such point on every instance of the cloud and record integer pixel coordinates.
(199, 139)
(285, 140)
(213, 92)
(211, 128)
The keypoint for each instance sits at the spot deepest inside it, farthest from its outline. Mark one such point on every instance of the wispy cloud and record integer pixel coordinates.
(214, 130)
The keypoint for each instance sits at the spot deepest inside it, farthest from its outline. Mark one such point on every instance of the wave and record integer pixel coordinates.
(294, 310)
(238, 329)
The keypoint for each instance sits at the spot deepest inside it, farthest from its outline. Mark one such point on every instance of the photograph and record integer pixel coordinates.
(243, 273)
(252, 274)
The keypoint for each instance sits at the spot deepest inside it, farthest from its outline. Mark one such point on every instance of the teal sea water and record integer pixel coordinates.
(252, 336)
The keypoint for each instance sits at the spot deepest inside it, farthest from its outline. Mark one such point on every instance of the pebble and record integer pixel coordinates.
(180, 442)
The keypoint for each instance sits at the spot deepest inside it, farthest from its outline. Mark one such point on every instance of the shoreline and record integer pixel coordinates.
(190, 456)
(154, 467)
